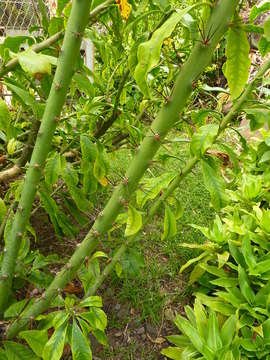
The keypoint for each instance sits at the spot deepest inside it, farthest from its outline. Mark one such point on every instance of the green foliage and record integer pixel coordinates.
(149, 52)
(238, 62)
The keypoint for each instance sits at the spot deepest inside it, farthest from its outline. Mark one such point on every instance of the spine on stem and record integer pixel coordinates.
(200, 57)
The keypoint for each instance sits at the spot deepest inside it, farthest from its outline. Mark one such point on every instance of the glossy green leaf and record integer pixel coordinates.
(52, 169)
(96, 318)
(238, 62)
(36, 339)
(80, 346)
(169, 229)
(203, 139)
(134, 222)
(265, 157)
(16, 351)
(54, 348)
(215, 184)
(92, 301)
(149, 51)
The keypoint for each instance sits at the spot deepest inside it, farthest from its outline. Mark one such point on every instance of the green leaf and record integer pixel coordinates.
(169, 224)
(186, 328)
(34, 63)
(172, 353)
(203, 139)
(92, 301)
(214, 183)
(52, 169)
(4, 116)
(201, 319)
(238, 62)
(214, 340)
(152, 188)
(80, 346)
(264, 46)
(15, 309)
(216, 304)
(96, 318)
(84, 84)
(26, 99)
(225, 282)
(258, 118)
(134, 222)
(15, 351)
(245, 287)
(265, 157)
(36, 339)
(70, 177)
(258, 10)
(3, 210)
(266, 27)
(228, 330)
(149, 51)
(60, 6)
(101, 337)
(54, 348)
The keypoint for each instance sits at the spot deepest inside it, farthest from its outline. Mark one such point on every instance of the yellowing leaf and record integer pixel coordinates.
(238, 62)
(11, 146)
(34, 63)
(134, 222)
(169, 224)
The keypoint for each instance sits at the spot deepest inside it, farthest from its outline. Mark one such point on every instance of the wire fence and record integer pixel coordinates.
(18, 15)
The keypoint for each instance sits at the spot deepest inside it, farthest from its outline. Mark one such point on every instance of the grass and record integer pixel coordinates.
(157, 286)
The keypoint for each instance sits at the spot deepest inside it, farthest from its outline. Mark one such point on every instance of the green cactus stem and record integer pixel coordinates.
(200, 57)
(176, 182)
(71, 49)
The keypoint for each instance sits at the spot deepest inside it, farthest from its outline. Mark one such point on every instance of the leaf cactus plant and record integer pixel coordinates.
(166, 119)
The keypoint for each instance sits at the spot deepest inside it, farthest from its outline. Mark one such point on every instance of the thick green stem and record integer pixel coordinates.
(71, 49)
(200, 58)
(176, 182)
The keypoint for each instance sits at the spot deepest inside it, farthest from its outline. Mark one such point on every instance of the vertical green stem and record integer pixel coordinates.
(76, 24)
(200, 57)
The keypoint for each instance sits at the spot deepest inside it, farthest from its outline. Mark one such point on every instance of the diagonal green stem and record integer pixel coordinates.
(176, 182)
(200, 57)
(65, 68)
